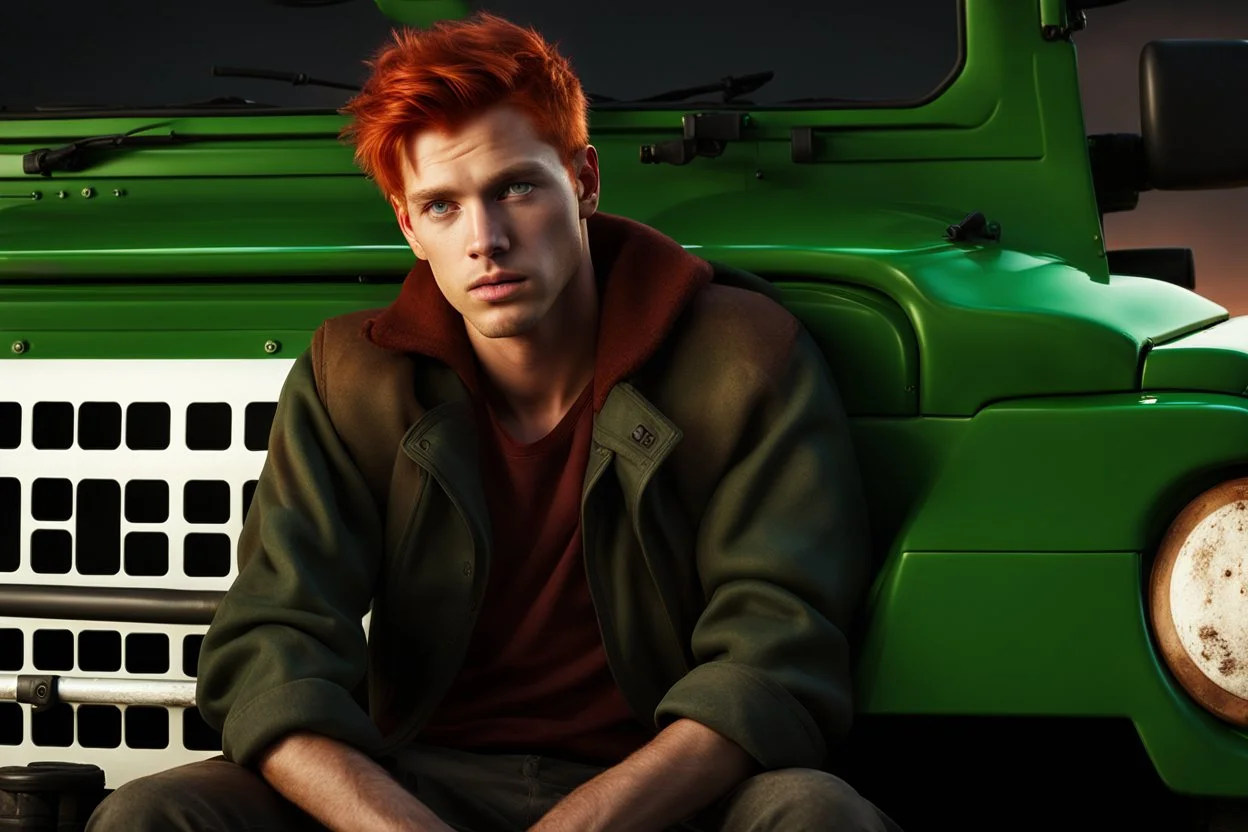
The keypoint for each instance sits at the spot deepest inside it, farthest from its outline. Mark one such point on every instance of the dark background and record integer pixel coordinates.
(159, 51)
(1211, 223)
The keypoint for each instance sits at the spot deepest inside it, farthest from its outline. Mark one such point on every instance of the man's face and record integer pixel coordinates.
(493, 209)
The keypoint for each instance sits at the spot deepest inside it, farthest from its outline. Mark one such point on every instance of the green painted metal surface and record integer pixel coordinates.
(1213, 359)
(1053, 634)
(1076, 473)
(869, 344)
(422, 12)
(1027, 424)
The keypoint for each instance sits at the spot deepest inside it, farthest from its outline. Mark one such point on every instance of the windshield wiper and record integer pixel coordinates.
(70, 157)
(299, 79)
(224, 101)
(42, 161)
(731, 86)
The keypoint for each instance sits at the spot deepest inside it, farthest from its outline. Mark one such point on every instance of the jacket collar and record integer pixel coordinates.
(645, 281)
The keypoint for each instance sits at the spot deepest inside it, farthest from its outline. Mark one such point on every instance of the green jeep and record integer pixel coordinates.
(1054, 436)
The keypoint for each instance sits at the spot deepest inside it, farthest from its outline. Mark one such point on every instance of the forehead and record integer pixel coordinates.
(498, 139)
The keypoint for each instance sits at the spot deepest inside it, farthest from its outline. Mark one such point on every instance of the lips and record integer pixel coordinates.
(496, 287)
(495, 279)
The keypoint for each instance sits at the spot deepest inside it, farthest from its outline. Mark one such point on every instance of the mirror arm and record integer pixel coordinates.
(1119, 170)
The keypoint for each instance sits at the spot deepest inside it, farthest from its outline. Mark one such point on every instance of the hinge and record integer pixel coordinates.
(1075, 22)
(705, 134)
(37, 691)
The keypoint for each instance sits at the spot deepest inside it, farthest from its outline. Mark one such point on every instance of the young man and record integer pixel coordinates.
(601, 501)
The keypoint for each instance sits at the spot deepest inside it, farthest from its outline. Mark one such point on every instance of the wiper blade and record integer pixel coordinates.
(226, 101)
(42, 161)
(731, 86)
(69, 157)
(299, 79)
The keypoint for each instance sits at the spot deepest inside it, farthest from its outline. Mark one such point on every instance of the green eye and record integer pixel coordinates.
(524, 188)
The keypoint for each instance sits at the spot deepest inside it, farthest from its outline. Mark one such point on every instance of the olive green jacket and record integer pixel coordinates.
(724, 537)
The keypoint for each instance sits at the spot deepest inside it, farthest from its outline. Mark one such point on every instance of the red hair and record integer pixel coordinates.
(443, 76)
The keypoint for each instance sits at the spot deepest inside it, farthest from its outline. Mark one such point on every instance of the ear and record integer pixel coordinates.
(405, 226)
(586, 181)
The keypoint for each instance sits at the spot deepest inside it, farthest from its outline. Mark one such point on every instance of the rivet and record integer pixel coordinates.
(467, 569)
(20, 347)
(423, 444)
(41, 690)
(62, 194)
(119, 192)
(87, 193)
(758, 174)
(271, 346)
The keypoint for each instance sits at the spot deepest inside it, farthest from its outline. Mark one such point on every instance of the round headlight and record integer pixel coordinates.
(1198, 600)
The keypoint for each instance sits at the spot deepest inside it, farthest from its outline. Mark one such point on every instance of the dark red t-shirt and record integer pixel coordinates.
(535, 679)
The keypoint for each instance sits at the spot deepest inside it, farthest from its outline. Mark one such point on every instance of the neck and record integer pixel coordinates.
(534, 379)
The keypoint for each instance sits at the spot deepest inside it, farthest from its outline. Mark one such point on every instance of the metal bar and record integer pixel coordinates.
(89, 603)
(163, 692)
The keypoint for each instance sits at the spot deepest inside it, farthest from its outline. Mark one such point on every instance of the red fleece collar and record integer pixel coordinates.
(645, 278)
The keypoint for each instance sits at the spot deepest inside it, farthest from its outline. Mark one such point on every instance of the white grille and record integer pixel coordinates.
(121, 473)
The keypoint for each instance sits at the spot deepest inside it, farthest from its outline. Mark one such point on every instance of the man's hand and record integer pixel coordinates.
(682, 770)
(343, 788)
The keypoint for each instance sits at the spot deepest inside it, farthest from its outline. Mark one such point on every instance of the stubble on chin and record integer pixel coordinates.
(502, 326)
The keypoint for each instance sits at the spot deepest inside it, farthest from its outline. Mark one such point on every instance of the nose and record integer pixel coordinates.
(487, 231)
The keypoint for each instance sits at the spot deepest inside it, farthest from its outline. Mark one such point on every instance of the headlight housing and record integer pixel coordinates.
(1198, 600)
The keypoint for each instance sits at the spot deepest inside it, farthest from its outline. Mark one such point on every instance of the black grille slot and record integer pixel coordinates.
(53, 649)
(206, 501)
(99, 726)
(147, 653)
(208, 427)
(53, 727)
(147, 727)
(53, 426)
(99, 527)
(99, 650)
(206, 555)
(10, 723)
(147, 554)
(147, 501)
(147, 426)
(52, 499)
(11, 653)
(10, 425)
(249, 492)
(10, 524)
(197, 735)
(190, 654)
(51, 551)
(257, 423)
(99, 426)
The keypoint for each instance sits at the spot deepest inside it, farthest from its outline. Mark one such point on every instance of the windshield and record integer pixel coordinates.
(87, 55)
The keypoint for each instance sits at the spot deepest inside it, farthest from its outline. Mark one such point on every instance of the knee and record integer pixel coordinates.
(140, 804)
(807, 799)
(209, 794)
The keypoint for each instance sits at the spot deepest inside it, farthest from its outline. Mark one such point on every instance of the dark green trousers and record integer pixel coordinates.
(472, 793)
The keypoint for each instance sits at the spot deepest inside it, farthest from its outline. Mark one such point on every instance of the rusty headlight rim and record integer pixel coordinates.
(1213, 697)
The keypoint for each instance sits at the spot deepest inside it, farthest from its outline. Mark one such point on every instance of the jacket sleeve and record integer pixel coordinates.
(783, 556)
(287, 644)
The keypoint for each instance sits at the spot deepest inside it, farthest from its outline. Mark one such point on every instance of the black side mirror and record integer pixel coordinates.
(1172, 265)
(1193, 114)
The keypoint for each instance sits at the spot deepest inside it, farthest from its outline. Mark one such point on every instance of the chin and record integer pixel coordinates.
(504, 326)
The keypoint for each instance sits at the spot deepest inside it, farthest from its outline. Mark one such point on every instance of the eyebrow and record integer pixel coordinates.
(526, 170)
